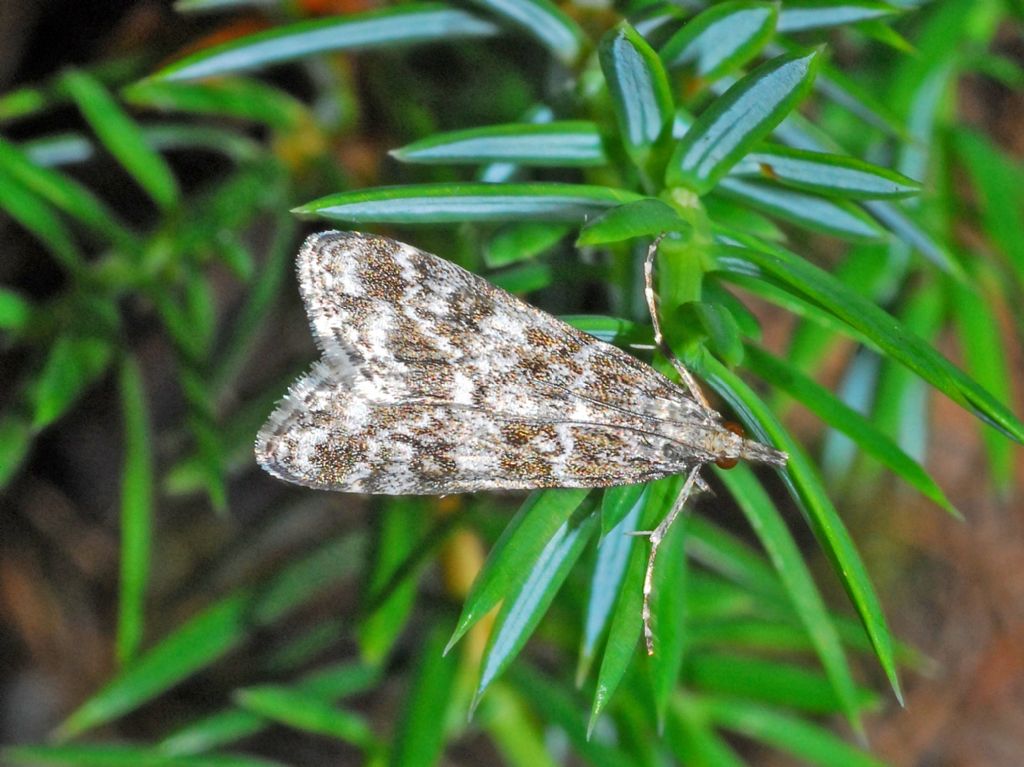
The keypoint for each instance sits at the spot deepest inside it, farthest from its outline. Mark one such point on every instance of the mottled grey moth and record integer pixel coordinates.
(433, 381)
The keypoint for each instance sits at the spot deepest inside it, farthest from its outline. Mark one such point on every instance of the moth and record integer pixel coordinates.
(433, 381)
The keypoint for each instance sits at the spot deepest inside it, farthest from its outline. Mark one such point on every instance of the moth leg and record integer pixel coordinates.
(656, 537)
(659, 339)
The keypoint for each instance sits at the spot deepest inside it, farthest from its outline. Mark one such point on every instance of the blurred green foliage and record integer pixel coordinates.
(544, 138)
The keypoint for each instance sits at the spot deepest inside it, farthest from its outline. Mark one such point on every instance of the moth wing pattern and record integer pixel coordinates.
(420, 354)
(391, 311)
(434, 448)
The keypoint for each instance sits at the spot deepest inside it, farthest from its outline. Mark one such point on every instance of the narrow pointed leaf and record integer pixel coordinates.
(997, 183)
(37, 216)
(610, 566)
(136, 514)
(460, 203)
(722, 552)
(644, 218)
(627, 624)
(617, 503)
(878, 326)
(15, 441)
(694, 740)
(613, 330)
(122, 137)
(669, 620)
(820, 214)
(801, 15)
(97, 755)
(806, 488)
(400, 528)
(831, 175)
(734, 122)
(808, 742)
(15, 311)
(64, 193)
(517, 242)
(797, 582)
(721, 39)
(639, 89)
(306, 713)
(233, 97)
(985, 353)
(841, 416)
(233, 724)
(554, 702)
(896, 220)
(73, 364)
(213, 633)
(767, 681)
(545, 22)
(516, 551)
(559, 144)
(524, 606)
(420, 738)
(413, 24)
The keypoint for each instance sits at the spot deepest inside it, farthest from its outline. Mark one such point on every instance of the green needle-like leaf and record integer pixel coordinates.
(821, 214)
(38, 217)
(234, 97)
(96, 755)
(516, 551)
(831, 175)
(808, 742)
(212, 634)
(721, 38)
(639, 89)
(517, 242)
(557, 144)
(545, 22)
(981, 342)
(806, 488)
(420, 738)
(797, 582)
(766, 681)
(233, 724)
(874, 323)
(64, 193)
(122, 137)
(624, 505)
(73, 364)
(136, 514)
(841, 416)
(643, 218)
(694, 740)
(459, 203)
(15, 311)
(413, 24)
(307, 713)
(15, 440)
(525, 605)
(400, 529)
(801, 15)
(669, 621)
(626, 624)
(735, 121)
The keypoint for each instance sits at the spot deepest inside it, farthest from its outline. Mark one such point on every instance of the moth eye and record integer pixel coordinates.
(735, 428)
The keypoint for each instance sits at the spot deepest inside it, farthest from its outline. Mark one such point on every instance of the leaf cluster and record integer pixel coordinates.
(723, 125)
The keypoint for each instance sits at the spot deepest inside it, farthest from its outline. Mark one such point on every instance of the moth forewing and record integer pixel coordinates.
(434, 381)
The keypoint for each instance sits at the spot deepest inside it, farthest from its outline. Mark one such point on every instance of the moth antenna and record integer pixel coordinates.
(656, 537)
(659, 339)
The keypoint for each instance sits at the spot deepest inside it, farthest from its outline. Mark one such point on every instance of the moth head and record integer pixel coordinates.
(728, 445)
